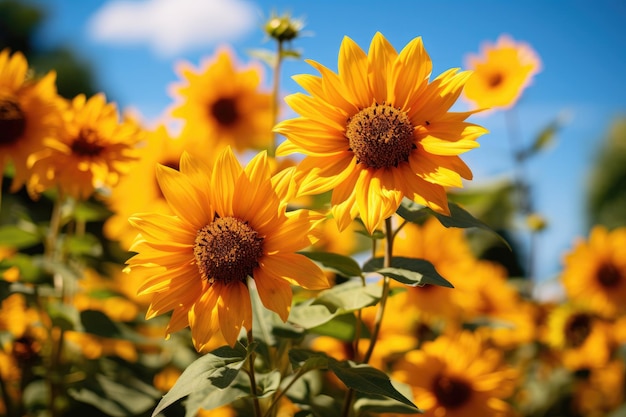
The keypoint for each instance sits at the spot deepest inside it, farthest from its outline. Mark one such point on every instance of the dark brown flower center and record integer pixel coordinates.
(451, 392)
(608, 275)
(380, 136)
(225, 111)
(577, 329)
(87, 144)
(12, 122)
(495, 80)
(227, 250)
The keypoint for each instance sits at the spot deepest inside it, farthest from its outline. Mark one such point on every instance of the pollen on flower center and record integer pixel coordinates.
(380, 136)
(224, 110)
(451, 392)
(577, 330)
(227, 250)
(87, 144)
(12, 122)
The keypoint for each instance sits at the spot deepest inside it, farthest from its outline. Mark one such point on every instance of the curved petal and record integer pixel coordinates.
(334, 91)
(296, 269)
(182, 197)
(353, 72)
(380, 58)
(234, 310)
(226, 171)
(163, 227)
(411, 71)
(275, 293)
(317, 175)
(203, 319)
(293, 234)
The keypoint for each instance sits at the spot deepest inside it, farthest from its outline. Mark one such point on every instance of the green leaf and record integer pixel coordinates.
(410, 271)
(14, 236)
(340, 299)
(98, 323)
(130, 397)
(368, 380)
(545, 137)
(264, 55)
(463, 219)
(372, 403)
(342, 327)
(268, 383)
(308, 360)
(211, 371)
(343, 265)
(209, 397)
(87, 244)
(412, 212)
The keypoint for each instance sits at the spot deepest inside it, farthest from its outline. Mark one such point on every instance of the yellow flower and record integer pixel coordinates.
(378, 131)
(594, 272)
(601, 392)
(139, 188)
(228, 224)
(582, 339)
(501, 73)
(91, 150)
(224, 103)
(28, 113)
(449, 252)
(458, 376)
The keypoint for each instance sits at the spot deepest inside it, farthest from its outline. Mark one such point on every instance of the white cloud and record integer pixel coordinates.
(171, 26)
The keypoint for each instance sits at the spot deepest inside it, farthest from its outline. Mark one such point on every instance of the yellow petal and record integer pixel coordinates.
(275, 293)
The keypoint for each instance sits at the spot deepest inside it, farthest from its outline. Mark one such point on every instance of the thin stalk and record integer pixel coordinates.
(521, 185)
(251, 374)
(276, 94)
(281, 393)
(53, 231)
(389, 237)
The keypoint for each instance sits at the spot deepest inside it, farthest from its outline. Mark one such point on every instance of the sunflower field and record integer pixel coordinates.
(331, 264)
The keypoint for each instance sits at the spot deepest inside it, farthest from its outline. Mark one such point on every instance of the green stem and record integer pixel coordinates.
(251, 374)
(53, 231)
(275, 94)
(389, 236)
(282, 393)
(522, 189)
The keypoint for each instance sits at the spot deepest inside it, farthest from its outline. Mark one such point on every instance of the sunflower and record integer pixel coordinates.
(228, 224)
(449, 252)
(140, 188)
(224, 103)
(458, 376)
(594, 271)
(92, 150)
(378, 131)
(582, 339)
(501, 73)
(28, 113)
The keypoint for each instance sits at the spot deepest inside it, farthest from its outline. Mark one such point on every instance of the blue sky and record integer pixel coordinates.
(133, 46)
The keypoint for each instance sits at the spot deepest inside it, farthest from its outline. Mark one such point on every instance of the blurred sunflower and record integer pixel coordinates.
(225, 104)
(140, 189)
(449, 252)
(501, 73)
(378, 131)
(581, 339)
(594, 272)
(600, 392)
(91, 150)
(458, 376)
(228, 224)
(28, 113)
